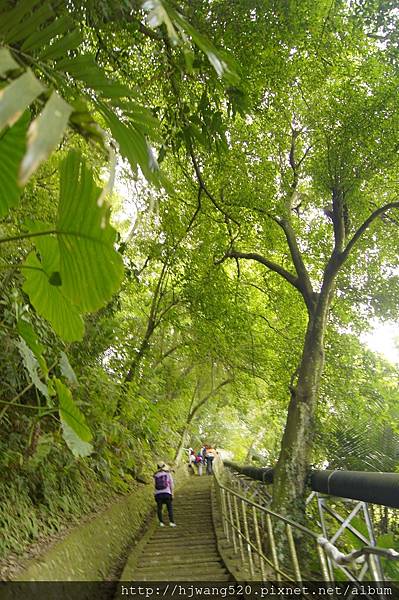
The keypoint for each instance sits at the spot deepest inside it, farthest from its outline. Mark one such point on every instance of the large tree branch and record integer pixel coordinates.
(206, 398)
(303, 275)
(151, 325)
(166, 354)
(338, 219)
(158, 321)
(363, 228)
(296, 282)
(263, 261)
(205, 189)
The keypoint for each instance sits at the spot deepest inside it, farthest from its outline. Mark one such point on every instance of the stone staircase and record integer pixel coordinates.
(187, 552)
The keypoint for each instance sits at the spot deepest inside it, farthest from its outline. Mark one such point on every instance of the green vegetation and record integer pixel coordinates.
(256, 146)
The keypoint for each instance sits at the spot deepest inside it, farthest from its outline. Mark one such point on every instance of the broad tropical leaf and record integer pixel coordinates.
(17, 97)
(27, 332)
(44, 134)
(12, 149)
(90, 267)
(32, 367)
(76, 432)
(7, 63)
(67, 370)
(48, 299)
(79, 268)
(76, 445)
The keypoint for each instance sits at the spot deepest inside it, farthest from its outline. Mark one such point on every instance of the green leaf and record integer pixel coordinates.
(91, 269)
(132, 145)
(12, 18)
(12, 149)
(44, 134)
(49, 300)
(27, 332)
(78, 269)
(140, 116)
(24, 27)
(39, 39)
(158, 15)
(67, 370)
(32, 367)
(17, 96)
(77, 446)
(55, 279)
(76, 432)
(7, 63)
(60, 47)
(86, 69)
(221, 64)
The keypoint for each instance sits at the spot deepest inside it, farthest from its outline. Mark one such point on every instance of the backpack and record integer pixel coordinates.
(161, 481)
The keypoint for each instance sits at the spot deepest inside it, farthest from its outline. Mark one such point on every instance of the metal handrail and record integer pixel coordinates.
(267, 510)
(256, 558)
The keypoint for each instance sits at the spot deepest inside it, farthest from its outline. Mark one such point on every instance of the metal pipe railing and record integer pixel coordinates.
(376, 488)
(271, 550)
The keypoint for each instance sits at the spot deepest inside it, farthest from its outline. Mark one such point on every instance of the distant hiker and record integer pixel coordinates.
(163, 493)
(198, 462)
(191, 460)
(209, 457)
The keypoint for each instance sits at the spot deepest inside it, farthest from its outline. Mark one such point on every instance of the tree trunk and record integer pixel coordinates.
(181, 446)
(292, 466)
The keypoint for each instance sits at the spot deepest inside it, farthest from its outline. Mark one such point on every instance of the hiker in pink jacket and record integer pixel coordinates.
(164, 493)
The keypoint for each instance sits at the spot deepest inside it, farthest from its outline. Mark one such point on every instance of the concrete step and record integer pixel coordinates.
(183, 567)
(181, 560)
(187, 571)
(189, 577)
(177, 576)
(195, 514)
(168, 535)
(154, 544)
(179, 553)
(161, 537)
(192, 528)
(195, 510)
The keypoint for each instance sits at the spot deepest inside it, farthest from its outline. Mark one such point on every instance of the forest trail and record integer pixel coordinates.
(187, 552)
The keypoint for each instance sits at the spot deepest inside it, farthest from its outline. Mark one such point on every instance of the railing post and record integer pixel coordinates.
(320, 505)
(374, 562)
(246, 531)
(232, 523)
(323, 563)
(224, 513)
(294, 556)
(259, 544)
(239, 529)
(273, 548)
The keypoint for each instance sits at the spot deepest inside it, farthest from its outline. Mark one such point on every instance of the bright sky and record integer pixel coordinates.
(384, 339)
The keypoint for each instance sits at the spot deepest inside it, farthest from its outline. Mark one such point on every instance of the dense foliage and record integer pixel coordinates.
(222, 283)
